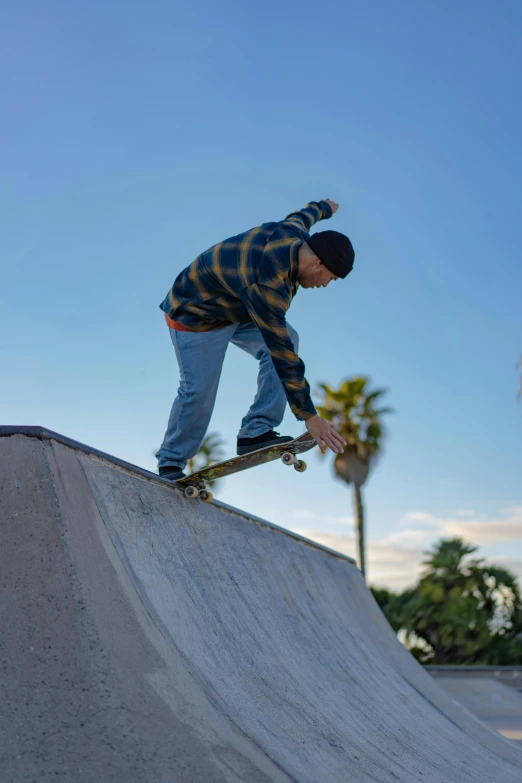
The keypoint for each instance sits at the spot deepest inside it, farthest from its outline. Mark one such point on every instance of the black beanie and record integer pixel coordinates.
(334, 250)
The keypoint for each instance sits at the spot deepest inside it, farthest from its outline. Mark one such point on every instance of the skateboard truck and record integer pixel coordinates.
(290, 459)
(200, 491)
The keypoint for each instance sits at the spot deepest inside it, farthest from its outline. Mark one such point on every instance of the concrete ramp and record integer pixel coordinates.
(497, 705)
(150, 638)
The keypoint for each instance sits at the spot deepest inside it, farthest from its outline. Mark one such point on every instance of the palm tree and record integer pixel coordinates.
(352, 409)
(462, 611)
(210, 451)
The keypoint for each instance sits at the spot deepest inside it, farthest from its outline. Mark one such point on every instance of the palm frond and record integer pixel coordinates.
(351, 408)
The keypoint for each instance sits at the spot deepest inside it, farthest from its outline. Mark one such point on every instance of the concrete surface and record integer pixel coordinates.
(146, 637)
(497, 705)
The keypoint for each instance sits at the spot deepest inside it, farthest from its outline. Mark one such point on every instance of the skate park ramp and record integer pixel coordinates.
(148, 637)
(496, 704)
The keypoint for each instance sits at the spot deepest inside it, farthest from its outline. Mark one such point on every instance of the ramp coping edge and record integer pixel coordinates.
(41, 433)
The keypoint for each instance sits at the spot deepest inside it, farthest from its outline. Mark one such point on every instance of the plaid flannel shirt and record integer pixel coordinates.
(252, 277)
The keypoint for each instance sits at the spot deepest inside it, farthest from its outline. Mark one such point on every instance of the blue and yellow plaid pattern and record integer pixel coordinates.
(252, 277)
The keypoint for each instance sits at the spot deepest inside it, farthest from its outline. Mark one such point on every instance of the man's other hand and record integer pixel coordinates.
(325, 434)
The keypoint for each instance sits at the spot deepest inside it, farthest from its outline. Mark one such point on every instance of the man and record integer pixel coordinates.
(239, 291)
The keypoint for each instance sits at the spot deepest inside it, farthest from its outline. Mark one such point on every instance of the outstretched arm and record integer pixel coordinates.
(302, 221)
(267, 308)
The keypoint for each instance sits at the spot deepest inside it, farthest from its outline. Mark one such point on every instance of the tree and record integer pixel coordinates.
(462, 611)
(389, 604)
(210, 451)
(352, 409)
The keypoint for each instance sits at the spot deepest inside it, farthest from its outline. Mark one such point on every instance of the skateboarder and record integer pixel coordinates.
(238, 292)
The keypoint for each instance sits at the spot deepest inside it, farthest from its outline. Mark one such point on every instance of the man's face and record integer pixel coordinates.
(318, 276)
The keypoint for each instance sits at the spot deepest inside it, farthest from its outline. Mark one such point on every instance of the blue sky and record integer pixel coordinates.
(135, 135)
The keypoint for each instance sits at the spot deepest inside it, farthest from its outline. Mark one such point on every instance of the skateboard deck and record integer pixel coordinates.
(195, 484)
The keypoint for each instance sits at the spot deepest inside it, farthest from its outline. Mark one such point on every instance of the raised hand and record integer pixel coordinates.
(333, 205)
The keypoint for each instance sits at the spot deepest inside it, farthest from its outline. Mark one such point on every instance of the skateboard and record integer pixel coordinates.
(195, 484)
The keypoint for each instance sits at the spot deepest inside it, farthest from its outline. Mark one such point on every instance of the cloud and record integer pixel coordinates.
(484, 532)
(410, 538)
(305, 515)
(418, 516)
(419, 527)
(506, 527)
(341, 543)
(389, 565)
(395, 561)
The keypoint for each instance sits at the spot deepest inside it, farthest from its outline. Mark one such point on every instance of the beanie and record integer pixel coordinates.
(334, 250)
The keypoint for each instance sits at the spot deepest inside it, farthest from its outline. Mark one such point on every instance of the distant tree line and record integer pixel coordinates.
(461, 611)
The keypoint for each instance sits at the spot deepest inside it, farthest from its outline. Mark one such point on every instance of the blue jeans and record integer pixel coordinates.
(200, 358)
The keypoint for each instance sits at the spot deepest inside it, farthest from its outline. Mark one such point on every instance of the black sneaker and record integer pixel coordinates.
(171, 473)
(270, 438)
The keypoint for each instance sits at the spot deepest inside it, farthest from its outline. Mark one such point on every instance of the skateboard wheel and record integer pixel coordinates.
(191, 492)
(206, 496)
(288, 458)
(300, 466)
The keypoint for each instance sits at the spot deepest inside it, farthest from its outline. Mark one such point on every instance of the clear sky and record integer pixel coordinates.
(136, 134)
